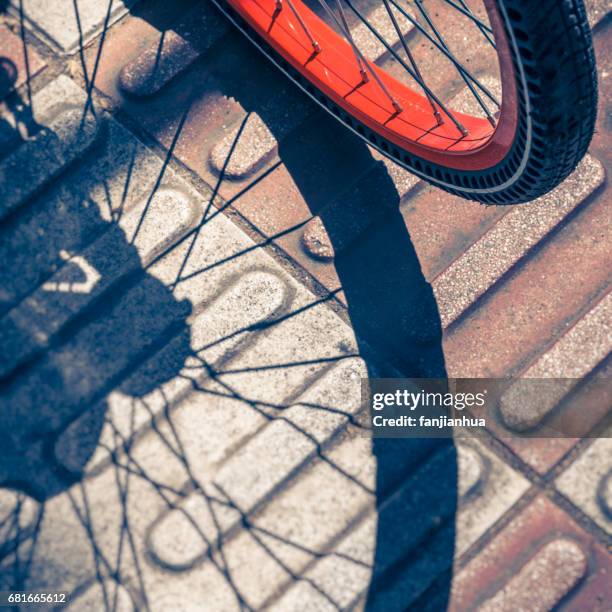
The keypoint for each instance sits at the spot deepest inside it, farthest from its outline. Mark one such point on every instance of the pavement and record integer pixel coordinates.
(198, 268)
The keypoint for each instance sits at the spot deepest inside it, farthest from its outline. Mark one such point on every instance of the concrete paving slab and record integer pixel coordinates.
(588, 485)
(70, 25)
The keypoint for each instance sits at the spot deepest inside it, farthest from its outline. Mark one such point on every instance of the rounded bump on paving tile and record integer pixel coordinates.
(316, 242)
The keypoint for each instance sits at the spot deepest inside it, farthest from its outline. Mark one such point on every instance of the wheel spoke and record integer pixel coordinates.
(450, 56)
(483, 29)
(315, 45)
(347, 32)
(466, 11)
(361, 59)
(408, 69)
(399, 49)
(470, 86)
(413, 63)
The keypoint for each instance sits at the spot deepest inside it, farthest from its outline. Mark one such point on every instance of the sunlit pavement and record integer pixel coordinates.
(195, 275)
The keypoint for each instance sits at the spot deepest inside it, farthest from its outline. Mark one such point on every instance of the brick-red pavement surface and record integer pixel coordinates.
(202, 228)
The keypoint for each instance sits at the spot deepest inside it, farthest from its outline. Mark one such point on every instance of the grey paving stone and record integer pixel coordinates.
(587, 482)
(262, 464)
(179, 538)
(103, 595)
(307, 597)
(291, 439)
(290, 354)
(386, 532)
(216, 332)
(257, 565)
(212, 591)
(151, 226)
(70, 378)
(298, 524)
(18, 515)
(271, 385)
(266, 338)
(472, 469)
(63, 135)
(64, 557)
(253, 563)
(285, 355)
(97, 530)
(341, 576)
(69, 25)
(75, 210)
(488, 488)
(286, 364)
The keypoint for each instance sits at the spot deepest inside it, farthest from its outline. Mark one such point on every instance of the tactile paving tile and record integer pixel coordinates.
(541, 558)
(63, 135)
(214, 465)
(486, 489)
(69, 24)
(587, 482)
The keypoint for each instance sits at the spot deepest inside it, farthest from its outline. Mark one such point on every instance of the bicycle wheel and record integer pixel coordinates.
(521, 122)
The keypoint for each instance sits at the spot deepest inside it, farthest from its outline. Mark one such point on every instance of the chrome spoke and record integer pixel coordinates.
(388, 33)
(413, 63)
(358, 55)
(460, 68)
(479, 25)
(408, 69)
(315, 45)
(466, 11)
(361, 58)
(470, 86)
(347, 32)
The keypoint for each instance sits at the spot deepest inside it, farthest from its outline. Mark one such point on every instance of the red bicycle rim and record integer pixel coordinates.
(397, 112)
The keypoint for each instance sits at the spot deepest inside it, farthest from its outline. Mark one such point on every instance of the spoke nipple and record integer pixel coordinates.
(463, 131)
(364, 77)
(316, 47)
(438, 117)
(398, 110)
